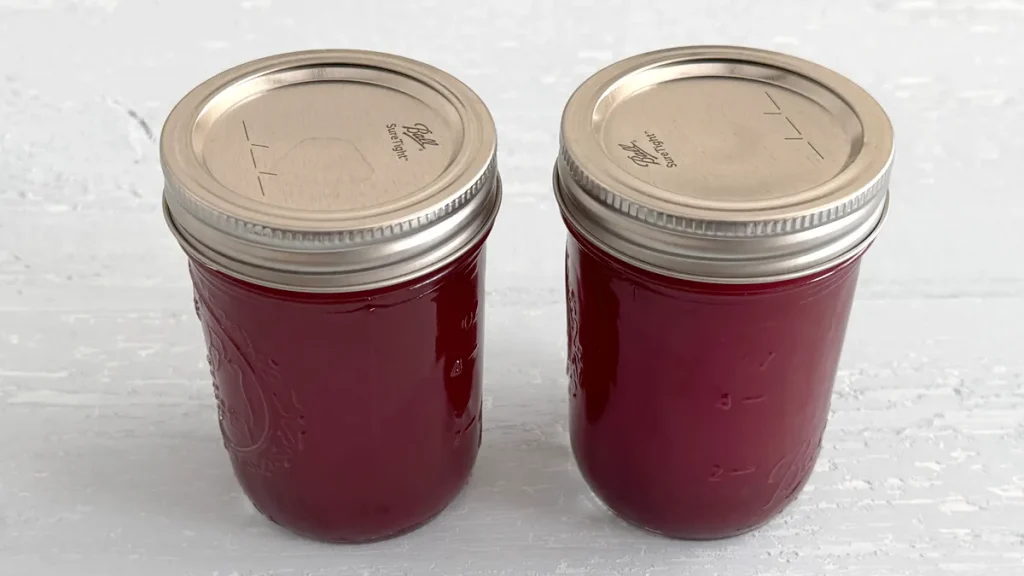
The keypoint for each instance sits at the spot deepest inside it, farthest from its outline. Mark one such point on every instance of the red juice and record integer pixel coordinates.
(351, 416)
(718, 202)
(334, 206)
(696, 409)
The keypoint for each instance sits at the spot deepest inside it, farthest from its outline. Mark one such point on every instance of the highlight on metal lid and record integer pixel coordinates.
(724, 164)
(330, 170)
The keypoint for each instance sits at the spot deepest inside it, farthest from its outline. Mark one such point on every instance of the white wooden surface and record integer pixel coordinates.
(110, 462)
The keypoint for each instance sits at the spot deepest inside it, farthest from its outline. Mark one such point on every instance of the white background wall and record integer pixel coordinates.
(110, 461)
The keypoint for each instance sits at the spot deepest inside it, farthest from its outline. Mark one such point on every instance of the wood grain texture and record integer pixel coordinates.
(111, 461)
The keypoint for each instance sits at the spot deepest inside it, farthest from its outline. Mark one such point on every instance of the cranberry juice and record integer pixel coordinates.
(348, 417)
(697, 410)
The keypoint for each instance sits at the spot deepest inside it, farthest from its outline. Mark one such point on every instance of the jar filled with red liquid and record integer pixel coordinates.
(334, 207)
(718, 202)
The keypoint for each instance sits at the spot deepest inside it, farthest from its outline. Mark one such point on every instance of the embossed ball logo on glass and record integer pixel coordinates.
(241, 404)
(262, 423)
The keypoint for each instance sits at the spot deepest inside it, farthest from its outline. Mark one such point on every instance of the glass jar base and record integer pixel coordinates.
(697, 518)
(346, 537)
(343, 533)
(686, 531)
(696, 536)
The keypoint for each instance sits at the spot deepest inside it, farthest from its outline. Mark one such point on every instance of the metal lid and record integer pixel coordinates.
(330, 171)
(724, 164)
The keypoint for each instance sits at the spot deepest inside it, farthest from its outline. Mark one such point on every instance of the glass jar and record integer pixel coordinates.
(718, 202)
(334, 206)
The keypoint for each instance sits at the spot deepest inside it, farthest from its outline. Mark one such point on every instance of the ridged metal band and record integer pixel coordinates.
(328, 270)
(703, 258)
(299, 240)
(721, 228)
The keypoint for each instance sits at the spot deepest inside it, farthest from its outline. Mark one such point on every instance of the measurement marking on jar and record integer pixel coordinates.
(252, 154)
(716, 474)
(724, 402)
(799, 135)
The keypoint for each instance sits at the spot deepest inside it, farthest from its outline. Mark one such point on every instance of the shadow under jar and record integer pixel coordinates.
(334, 207)
(718, 201)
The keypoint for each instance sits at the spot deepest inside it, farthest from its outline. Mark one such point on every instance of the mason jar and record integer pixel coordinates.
(718, 202)
(334, 207)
